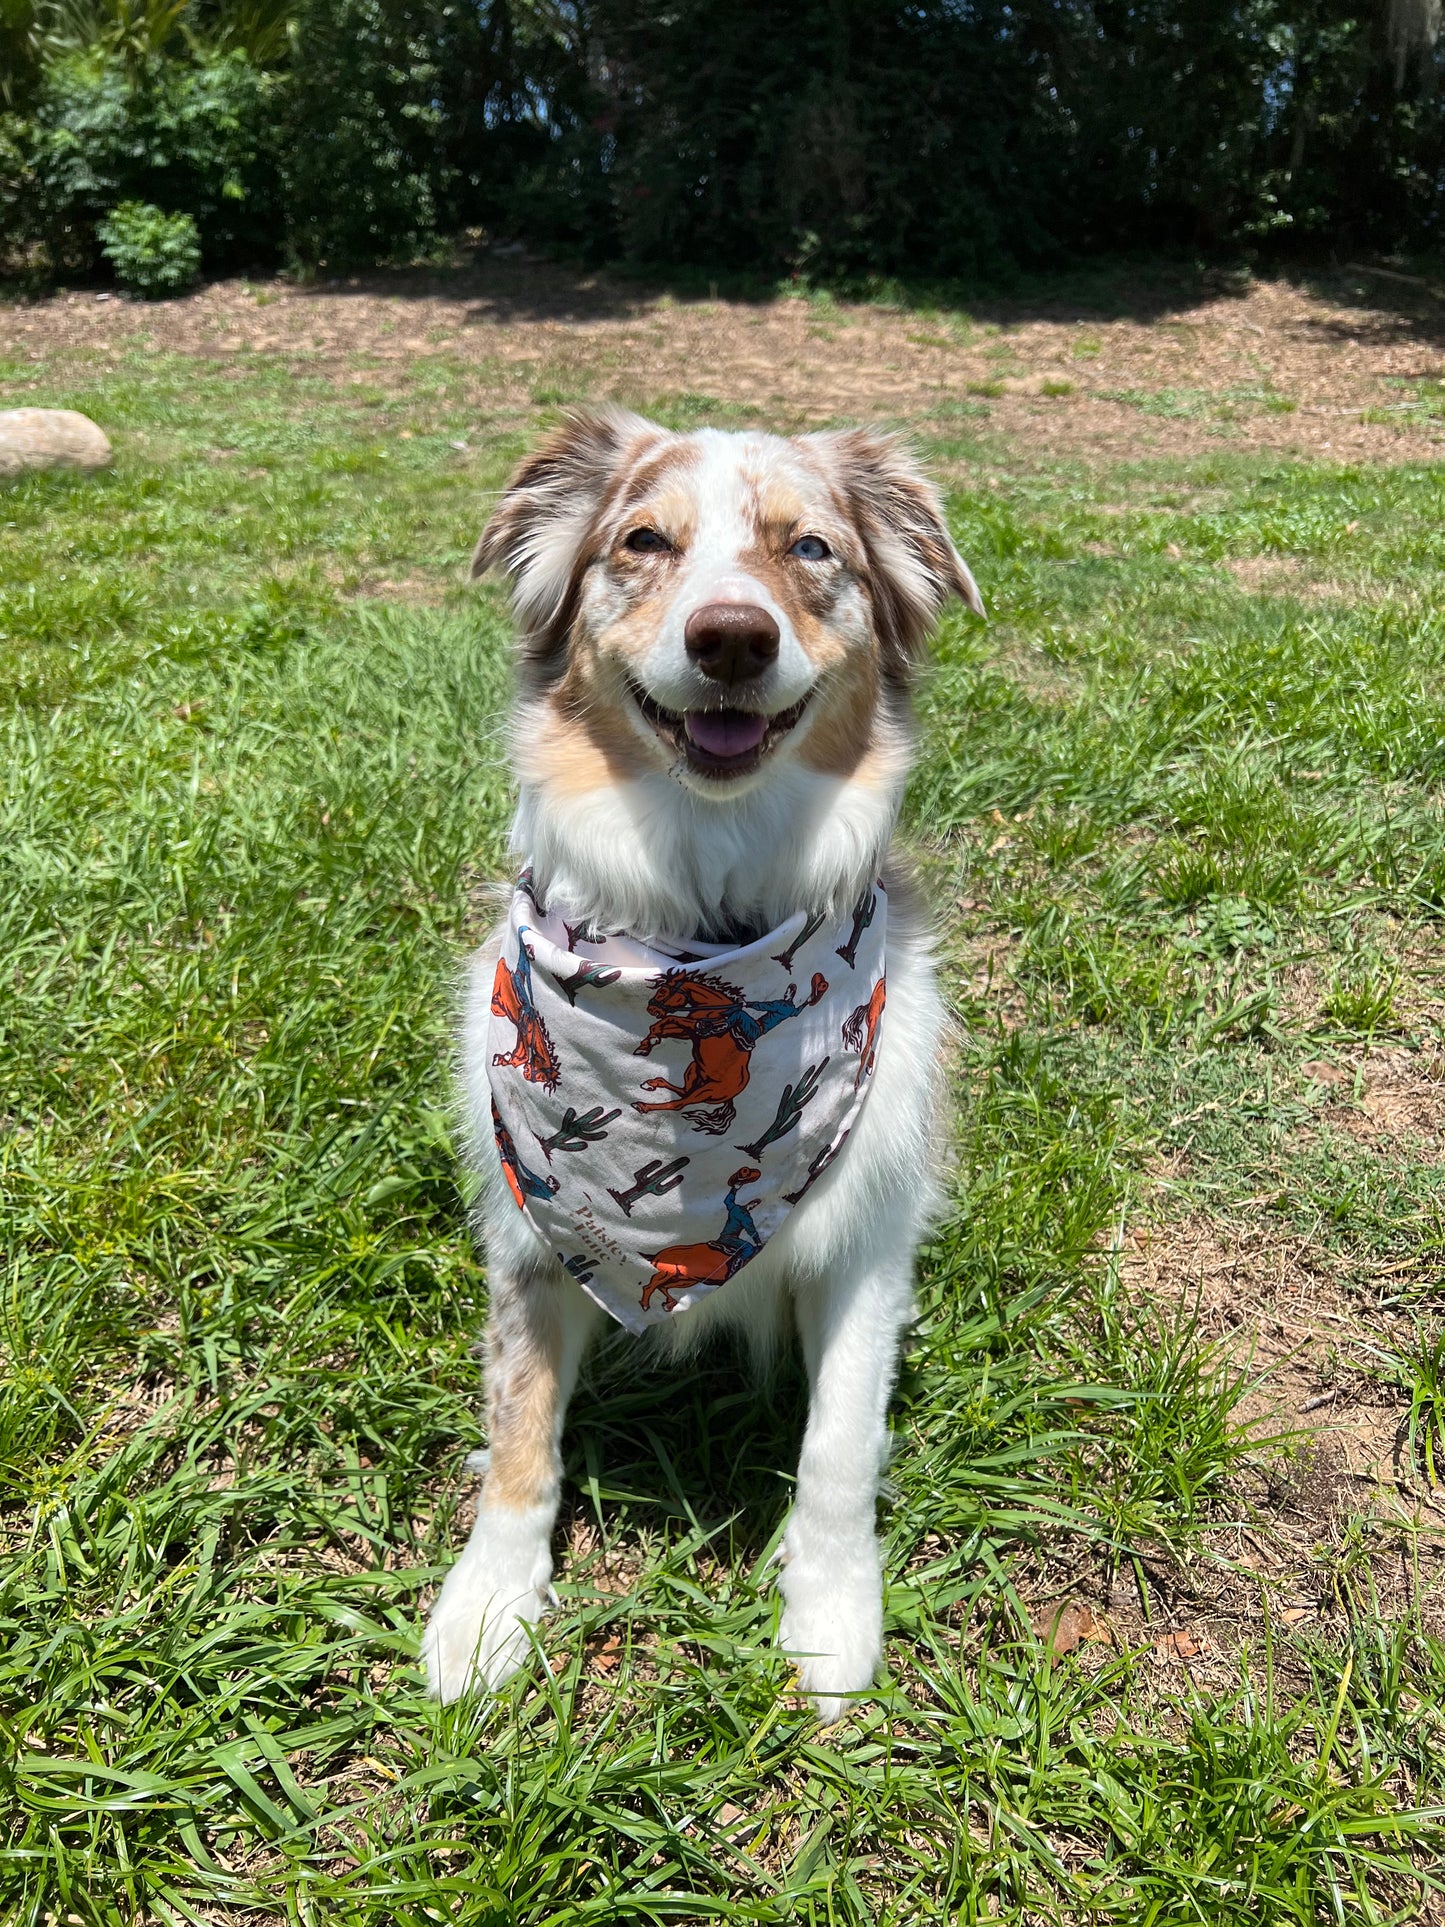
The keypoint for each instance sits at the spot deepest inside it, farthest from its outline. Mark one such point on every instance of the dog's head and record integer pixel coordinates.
(714, 604)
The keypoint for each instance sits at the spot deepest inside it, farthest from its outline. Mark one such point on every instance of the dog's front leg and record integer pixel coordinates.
(832, 1578)
(499, 1586)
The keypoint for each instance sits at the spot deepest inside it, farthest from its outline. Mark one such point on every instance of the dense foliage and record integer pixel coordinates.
(834, 137)
(191, 136)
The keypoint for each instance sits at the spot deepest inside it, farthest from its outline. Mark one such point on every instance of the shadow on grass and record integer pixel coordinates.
(1399, 306)
(712, 1443)
(530, 287)
(1143, 288)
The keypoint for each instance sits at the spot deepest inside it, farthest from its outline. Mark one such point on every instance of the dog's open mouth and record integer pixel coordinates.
(718, 742)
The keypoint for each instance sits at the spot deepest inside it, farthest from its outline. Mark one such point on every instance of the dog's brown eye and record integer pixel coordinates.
(810, 548)
(647, 542)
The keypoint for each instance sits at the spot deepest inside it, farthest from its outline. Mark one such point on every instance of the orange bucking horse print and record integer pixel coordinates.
(723, 1027)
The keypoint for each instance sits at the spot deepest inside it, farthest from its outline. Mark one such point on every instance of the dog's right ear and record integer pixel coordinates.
(537, 534)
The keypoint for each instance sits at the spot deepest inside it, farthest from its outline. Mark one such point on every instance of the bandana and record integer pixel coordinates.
(659, 1110)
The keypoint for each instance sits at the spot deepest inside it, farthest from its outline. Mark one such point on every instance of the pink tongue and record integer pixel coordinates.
(725, 732)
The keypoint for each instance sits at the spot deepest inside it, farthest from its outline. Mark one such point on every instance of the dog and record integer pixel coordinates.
(712, 729)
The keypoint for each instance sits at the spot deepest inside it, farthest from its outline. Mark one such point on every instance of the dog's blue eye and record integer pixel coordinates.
(810, 548)
(647, 542)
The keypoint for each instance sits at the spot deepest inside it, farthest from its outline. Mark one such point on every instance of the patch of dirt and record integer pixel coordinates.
(1277, 366)
(1275, 1299)
(1340, 1518)
(1332, 1528)
(1400, 1101)
(1333, 1522)
(1263, 573)
(1293, 576)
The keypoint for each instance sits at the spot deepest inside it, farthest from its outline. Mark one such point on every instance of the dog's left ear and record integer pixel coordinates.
(913, 566)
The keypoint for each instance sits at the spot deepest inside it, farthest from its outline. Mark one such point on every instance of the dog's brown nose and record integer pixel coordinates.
(731, 641)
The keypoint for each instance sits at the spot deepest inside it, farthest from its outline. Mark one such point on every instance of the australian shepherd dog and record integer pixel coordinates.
(711, 735)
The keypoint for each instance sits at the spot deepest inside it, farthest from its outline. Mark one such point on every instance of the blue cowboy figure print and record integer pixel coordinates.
(678, 1266)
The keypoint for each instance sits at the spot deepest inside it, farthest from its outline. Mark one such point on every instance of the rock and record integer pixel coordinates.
(49, 438)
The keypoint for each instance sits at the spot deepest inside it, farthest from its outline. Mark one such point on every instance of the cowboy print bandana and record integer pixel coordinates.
(659, 1111)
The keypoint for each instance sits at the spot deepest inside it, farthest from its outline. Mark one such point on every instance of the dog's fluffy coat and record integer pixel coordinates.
(613, 535)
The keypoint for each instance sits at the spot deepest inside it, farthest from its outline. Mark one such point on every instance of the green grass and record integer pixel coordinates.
(245, 810)
(1417, 1369)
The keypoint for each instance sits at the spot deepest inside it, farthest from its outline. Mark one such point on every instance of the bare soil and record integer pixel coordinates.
(1344, 1505)
(1334, 1510)
(1349, 367)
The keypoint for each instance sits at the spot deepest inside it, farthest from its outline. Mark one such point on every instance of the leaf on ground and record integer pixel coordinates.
(1063, 1625)
(1318, 1071)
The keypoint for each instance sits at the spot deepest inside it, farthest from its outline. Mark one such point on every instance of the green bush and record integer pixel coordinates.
(17, 183)
(152, 253)
(197, 133)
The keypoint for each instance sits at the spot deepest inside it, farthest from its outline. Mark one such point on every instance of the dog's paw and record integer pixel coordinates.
(476, 1636)
(832, 1625)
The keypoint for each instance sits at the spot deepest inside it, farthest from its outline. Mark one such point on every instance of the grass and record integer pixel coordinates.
(1184, 838)
(1418, 1370)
